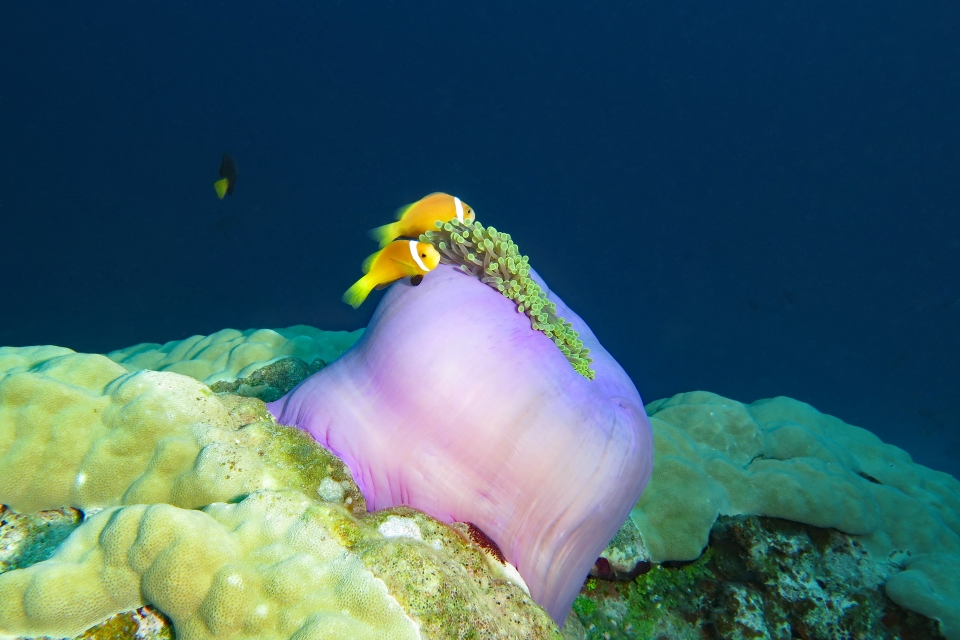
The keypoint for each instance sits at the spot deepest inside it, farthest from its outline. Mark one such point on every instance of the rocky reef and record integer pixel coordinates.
(865, 533)
(759, 578)
(768, 520)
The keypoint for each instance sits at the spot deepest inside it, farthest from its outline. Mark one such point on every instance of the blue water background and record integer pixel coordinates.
(755, 199)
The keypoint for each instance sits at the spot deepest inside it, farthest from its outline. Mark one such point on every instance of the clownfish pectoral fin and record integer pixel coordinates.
(405, 268)
(417, 279)
(356, 294)
(384, 235)
(221, 187)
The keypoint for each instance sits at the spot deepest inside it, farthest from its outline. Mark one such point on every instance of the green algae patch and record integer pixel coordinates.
(423, 561)
(494, 258)
(270, 382)
(296, 459)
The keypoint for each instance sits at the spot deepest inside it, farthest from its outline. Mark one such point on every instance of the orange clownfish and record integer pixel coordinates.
(395, 261)
(421, 216)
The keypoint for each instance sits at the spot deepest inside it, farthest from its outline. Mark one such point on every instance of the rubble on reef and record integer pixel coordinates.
(759, 578)
(29, 538)
(145, 623)
(272, 381)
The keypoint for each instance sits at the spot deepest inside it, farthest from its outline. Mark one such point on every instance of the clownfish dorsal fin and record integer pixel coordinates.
(402, 210)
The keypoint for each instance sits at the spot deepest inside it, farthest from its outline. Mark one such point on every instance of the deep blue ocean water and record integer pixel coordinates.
(757, 199)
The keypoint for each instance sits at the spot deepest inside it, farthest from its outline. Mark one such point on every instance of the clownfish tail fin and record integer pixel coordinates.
(356, 294)
(384, 235)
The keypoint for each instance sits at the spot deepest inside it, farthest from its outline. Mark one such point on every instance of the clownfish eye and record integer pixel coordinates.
(423, 255)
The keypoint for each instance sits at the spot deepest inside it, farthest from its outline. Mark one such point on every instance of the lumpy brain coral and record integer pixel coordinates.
(282, 548)
(264, 363)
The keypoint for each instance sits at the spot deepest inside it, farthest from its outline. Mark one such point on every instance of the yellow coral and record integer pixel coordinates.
(264, 568)
(79, 430)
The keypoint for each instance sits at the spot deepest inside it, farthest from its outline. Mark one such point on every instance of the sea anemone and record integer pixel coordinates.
(451, 403)
(495, 259)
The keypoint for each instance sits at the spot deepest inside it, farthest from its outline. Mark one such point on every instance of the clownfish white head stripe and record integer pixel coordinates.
(459, 205)
(416, 256)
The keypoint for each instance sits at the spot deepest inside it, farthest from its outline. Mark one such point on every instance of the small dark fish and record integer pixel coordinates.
(228, 176)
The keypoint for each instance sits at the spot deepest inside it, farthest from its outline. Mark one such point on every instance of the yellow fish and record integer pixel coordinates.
(228, 176)
(420, 217)
(395, 261)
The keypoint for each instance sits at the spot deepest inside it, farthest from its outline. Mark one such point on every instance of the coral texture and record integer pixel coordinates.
(760, 578)
(78, 430)
(273, 566)
(451, 403)
(930, 584)
(284, 546)
(229, 355)
(783, 458)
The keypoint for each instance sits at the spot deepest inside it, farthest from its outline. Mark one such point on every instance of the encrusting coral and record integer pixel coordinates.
(451, 404)
(782, 458)
(762, 578)
(495, 259)
(283, 547)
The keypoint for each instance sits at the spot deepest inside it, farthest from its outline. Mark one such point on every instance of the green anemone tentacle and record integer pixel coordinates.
(495, 259)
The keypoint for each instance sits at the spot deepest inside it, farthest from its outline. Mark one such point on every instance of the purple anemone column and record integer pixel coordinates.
(452, 404)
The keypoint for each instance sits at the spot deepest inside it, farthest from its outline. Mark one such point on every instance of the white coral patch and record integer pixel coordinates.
(398, 527)
(330, 490)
